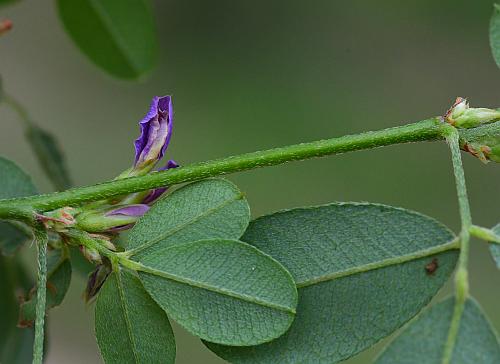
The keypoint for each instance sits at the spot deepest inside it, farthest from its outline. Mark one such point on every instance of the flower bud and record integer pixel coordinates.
(91, 254)
(461, 115)
(96, 280)
(59, 220)
(110, 218)
(156, 130)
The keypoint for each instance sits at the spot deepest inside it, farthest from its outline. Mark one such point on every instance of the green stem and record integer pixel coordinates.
(426, 130)
(461, 277)
(484, 234)
(41, 238)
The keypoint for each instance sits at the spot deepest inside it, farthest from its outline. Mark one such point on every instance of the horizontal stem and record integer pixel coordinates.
(426, 130)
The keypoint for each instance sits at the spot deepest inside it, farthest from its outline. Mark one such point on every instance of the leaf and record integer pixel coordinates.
(118, 36)
(495, 34)
(49, 155)
(15, 182)
(208, 209)
(79, 262)
(223, 291)
(11, 238)
(423, 340)
(362, 271)
(495, 247)
(16, 344)
(129, 325)
(58, 280)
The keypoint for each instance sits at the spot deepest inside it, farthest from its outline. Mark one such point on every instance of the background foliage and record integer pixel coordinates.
(253, 75)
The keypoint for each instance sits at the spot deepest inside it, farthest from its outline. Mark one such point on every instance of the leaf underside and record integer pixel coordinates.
(358, 273)
(423, 340)
(129, 325)
(495, 247)
(224, 291)
(495, 34)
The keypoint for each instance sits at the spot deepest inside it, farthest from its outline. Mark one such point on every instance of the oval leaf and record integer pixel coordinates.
(129, 325)
(58, 281)
(16, 344)
(223, 291)
(11, 237)
(118, 36)
(15, 182)
(208, 209)
(495, 34)
(495, 247)
(50, 157)
(362, 271)
(423, 341)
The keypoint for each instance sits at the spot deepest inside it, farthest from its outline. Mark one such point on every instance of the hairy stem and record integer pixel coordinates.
(461, 277)
(430, 129)
(41, 238)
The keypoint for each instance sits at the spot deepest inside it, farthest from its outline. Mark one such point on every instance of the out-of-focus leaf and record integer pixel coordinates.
(209, 209)
(117, 35)
(15, 182)
(16, 344)
(224, 291)
(47, 151)
(362, 271)
(495, 34)
(11, 238)
(129, 325)
(79, 263)
(6, 2)
(58, 280)
(423, 340)
(495, 247)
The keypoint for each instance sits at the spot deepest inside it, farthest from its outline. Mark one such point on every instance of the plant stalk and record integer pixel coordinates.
(461, 277)
(41, 238)
(426, 130)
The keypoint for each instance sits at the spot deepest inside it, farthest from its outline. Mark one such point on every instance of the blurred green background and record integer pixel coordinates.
(258, 74)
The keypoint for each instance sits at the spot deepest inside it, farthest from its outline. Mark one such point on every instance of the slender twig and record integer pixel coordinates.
(461, 277)
(426, 130)
(41, 238)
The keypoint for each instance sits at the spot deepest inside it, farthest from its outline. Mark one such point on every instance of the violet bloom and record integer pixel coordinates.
(156, 130)
(157, 192)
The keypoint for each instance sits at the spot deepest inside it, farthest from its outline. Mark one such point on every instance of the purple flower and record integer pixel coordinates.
(156, 130)
(156, 193)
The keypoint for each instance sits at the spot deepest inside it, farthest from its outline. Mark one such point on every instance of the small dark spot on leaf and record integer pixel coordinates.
(431, 267)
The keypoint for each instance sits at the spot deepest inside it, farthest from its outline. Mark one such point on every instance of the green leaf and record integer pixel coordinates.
(79, 262)
(15, 182)
(495, 34)
(208, 209)
(495, 247)
(11, 238)
(16, 344)
(362, 271)
(6, 2)
(423, 340)
(223, 291)
(49, 155)
(118, 36)
(58, 281)
(129, 325)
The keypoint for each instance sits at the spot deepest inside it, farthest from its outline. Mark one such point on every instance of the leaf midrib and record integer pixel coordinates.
(126, 316)
(454, 244)
(215, 289)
